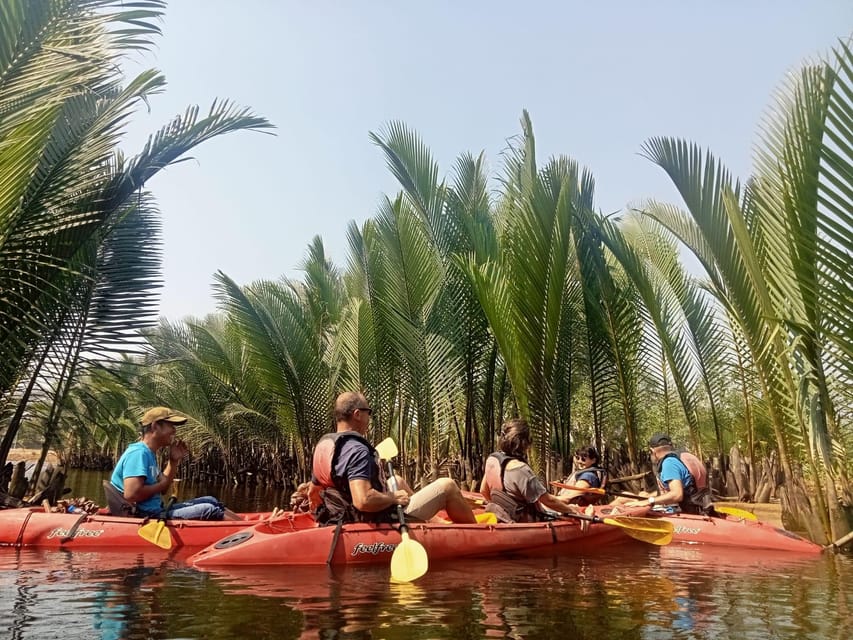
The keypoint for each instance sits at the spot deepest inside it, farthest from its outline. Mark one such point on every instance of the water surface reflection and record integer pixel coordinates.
(631, 592)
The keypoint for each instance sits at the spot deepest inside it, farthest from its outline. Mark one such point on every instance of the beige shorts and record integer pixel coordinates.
(424, 504)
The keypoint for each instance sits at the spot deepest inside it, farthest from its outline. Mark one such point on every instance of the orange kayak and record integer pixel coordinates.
(32, 527)
(275, 543)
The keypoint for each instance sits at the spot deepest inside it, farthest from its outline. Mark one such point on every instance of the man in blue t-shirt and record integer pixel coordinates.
(138, 477)
(674, 477)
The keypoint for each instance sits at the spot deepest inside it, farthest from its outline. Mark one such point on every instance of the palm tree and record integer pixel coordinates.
(778, 253)
(529, 290)
(71, 205)
(283, 331)
(457, 220)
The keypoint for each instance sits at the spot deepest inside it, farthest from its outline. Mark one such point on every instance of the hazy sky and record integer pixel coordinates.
(599, 78)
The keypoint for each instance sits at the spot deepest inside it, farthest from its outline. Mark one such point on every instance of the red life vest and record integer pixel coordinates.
(696, 468)
(326, 454)
(337, 504)
(697, 497)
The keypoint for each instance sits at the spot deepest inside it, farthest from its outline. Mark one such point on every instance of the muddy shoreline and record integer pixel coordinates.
(31, 455)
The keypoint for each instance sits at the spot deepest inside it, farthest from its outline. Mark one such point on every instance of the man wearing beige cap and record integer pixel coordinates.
(137, 474)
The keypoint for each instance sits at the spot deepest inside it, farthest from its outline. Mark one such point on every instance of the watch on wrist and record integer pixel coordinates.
(651, 501)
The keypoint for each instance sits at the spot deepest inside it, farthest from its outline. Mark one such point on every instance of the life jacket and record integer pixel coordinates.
(504, 505)
(337, 506)
(587, 499)
(697, 497)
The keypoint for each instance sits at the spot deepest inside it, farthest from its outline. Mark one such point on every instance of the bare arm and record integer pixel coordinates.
(135, 489)
(485, 490)
(314, 496)
(674, 495)
(366, 498)
(559, 505)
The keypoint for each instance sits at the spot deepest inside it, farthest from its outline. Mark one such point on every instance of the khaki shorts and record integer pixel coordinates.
(424, 504)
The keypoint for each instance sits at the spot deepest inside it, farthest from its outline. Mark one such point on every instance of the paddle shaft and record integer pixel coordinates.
(602, 492)
(409, 560)
(392, 484)
(582, 516)
(164, 515)
(73, 530)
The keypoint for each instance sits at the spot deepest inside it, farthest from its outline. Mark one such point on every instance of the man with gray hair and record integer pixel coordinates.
(348, 484)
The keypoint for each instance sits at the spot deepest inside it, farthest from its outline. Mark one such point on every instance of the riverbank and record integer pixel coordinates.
(31, 455)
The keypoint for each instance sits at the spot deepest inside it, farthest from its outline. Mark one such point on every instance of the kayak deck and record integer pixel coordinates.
(32, 527)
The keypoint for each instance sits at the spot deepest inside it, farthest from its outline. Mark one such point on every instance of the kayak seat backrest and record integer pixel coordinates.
(117, 503)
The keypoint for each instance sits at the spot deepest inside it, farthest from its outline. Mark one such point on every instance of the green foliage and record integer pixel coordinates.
(465, 300)
(79, 239)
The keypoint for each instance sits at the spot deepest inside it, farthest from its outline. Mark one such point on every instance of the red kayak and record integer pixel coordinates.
(731, 531)
(722, 531)
(32, 527)
(276, 543)
(725, 530)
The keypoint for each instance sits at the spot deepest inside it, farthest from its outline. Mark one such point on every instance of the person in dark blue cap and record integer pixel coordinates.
(681, 478)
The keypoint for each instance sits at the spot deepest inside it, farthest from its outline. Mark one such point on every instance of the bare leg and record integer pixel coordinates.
(620, 500)
(457, 508)
(441, 494)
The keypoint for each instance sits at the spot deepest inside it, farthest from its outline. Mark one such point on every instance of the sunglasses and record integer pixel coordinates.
(368, 409)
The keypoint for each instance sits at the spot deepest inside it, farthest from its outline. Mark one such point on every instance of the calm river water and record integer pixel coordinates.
(634, 591)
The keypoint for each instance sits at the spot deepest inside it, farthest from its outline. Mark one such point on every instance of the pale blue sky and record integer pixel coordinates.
(599, 78)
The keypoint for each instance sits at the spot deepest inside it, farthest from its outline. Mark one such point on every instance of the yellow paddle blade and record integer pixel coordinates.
(387, 449)
(486, 517)
(737, 513)
(156, 533)
(409, 561)
(649, 530)
(474, 502)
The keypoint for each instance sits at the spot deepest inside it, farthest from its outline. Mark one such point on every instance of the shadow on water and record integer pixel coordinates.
(628, 592)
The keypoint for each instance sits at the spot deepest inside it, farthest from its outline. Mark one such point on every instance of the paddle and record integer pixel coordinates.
(155, 531)
(651, 530)
(72, 532)
(387, 449)
(409, 560)
(732, 511)
(736, 513)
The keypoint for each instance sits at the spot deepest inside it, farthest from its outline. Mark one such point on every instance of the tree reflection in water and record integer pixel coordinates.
(629, 592)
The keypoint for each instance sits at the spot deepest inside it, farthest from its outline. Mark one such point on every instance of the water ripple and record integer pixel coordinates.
(632, 592)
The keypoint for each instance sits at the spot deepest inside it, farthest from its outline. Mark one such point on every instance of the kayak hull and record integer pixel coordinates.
(730, 531)
(359, 544)
(32, 527)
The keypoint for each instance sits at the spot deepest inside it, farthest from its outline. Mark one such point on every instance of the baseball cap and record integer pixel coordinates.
(162, 413)
(660, 439)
